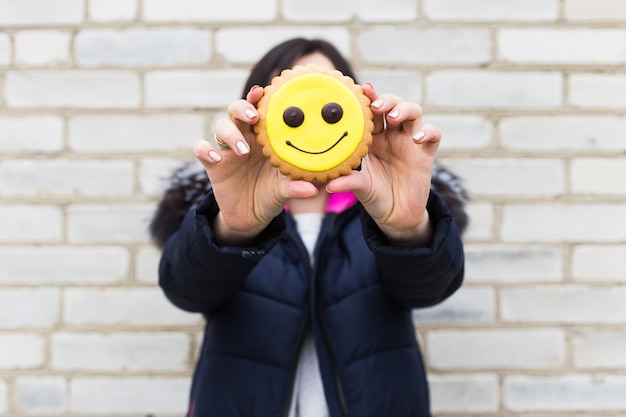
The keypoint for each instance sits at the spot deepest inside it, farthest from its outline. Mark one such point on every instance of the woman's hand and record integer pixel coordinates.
(248, 190)
(394, 181)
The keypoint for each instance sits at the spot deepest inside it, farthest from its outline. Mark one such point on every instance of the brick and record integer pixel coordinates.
(563, 133)
(41, 12)
(82, 89)
(5, 49)
(511, 177)
(497, 349)
(464, 393)
(111, 11)
(232, 43)
(128, 395)
(562, 46)
(491, 10)
(117, 306)
(598, 176)
(403, 83)
(462, 132)
(42, 47)
(364, 10)
(597, 91)
(557, 220)
(599, 263)
(32, 308)
(499, 263)
(21, 351)
(494, 90)
(570, 392)
(4, 397)
(602, 11)
(470, 305)
(41, 395)
(108, 223)
(30, 223)
(567, 304)
(30, 134)
(429, 46)
(599, 349)
(481, 223)
(147, 265)
(207, 11)
(154, 174)
(119, 352)
(67, 178)
(190, 89)
(142, 47)
(61, 265)
(111, 134)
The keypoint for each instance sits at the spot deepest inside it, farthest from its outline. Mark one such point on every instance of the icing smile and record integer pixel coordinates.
(288, 143)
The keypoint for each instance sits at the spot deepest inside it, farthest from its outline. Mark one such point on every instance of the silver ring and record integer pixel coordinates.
(219, 142)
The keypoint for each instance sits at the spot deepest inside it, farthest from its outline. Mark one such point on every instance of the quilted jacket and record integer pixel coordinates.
(259, 302)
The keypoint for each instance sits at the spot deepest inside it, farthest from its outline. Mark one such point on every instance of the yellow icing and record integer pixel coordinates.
(310, 93)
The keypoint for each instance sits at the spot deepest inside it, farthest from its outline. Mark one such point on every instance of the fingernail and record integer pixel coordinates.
(254, 87)
(250, 114)
(242, 147)
(419, 136)
(394, 114)
(215, 155)
(369, 85)
(377, 104)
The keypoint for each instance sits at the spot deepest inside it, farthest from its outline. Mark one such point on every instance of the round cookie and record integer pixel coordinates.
(314, 123)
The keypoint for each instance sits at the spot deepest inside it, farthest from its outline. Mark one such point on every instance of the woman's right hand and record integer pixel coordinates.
(248, 190)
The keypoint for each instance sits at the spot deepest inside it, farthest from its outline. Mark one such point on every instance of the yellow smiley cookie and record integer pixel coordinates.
(315, 123)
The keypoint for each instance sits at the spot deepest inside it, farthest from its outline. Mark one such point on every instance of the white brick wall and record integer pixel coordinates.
(42, 47)
(101, 99)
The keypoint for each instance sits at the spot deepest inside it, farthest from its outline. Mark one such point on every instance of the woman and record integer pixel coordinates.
(309, 309)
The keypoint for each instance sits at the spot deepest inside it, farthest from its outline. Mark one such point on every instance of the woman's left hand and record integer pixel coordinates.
(394, 181)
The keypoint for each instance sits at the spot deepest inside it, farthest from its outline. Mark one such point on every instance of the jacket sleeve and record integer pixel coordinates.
(198, 275)
(420, 276)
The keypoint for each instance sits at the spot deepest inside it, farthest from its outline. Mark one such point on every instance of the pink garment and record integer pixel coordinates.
(337, 202)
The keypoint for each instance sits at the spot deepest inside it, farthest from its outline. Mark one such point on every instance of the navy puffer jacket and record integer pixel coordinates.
(260, 301)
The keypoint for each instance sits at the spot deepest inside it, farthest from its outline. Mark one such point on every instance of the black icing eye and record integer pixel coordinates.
(293, 116)
(332, 113)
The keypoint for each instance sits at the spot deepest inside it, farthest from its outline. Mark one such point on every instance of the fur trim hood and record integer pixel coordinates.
(189, 184)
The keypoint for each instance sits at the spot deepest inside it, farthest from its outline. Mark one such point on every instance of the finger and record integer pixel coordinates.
(255, 94)
(406, 115)
(355, 181)
(243, 111)
(378, 119)
(297, 189)
(384, 103)
(229, 134)
(429, 136)
(206, 153)
(429, 133)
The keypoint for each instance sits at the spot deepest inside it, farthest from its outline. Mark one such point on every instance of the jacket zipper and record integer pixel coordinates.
(325, 337)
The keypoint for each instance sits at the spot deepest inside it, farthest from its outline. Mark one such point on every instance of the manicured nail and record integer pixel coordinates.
(242, 147)
(419, 136)
(250, 114)
(215, 156)
(394, 114)
(377, 104)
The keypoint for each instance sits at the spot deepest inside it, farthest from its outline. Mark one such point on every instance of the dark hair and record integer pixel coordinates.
(283, 55)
